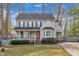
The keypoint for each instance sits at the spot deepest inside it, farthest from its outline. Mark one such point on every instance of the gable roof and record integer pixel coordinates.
(48, 25)
(35, 16)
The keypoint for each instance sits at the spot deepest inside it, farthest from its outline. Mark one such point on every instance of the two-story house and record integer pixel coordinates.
(36, 26)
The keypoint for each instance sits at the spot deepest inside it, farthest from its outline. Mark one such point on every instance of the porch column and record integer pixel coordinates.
(24, 34)
(29, 35)
(19, 34)
(35, 38)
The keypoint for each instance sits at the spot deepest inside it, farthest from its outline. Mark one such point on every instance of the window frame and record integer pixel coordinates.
(47, 33)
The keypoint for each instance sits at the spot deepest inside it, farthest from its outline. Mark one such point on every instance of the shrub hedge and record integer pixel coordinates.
(19, 42)
(43, 41)
(49, 41)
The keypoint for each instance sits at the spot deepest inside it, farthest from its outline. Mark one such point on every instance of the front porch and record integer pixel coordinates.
(32, 36)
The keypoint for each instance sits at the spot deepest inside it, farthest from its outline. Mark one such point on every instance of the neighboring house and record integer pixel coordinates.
(36, 26)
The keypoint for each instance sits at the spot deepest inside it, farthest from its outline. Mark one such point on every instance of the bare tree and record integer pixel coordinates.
(7, 20)
(1, 16)
(60, 14)
(60, 11)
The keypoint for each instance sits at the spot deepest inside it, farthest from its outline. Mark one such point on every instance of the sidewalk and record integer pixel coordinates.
(71, 47)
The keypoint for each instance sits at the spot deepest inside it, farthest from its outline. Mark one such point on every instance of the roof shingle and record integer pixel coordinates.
(35, 16)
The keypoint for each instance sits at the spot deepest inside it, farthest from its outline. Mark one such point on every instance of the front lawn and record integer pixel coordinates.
(34, 50)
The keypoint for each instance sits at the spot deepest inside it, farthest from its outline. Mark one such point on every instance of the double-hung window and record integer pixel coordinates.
(48, 33)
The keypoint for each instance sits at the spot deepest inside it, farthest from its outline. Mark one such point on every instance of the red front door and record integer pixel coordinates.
(37, 34)
(37, 37)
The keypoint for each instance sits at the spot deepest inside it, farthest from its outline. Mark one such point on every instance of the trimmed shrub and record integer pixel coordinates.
(19, 42)
(49, 41)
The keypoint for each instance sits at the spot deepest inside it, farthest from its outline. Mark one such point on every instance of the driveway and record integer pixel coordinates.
(71, 47)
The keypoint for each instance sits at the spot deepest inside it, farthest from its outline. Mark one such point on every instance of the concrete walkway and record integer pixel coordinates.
(71, 47)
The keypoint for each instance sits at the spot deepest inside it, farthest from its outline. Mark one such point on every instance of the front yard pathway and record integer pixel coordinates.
(71, 47)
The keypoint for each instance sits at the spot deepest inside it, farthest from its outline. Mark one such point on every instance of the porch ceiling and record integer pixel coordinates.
(27, 29)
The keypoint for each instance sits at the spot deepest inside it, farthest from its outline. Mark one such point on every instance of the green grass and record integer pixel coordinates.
(34, 50)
